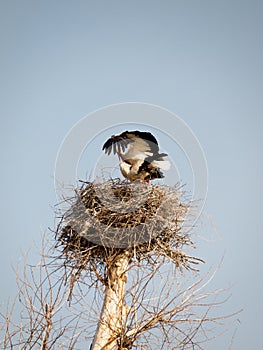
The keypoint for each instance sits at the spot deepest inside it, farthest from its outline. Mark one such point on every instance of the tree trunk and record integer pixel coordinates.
(114, 311)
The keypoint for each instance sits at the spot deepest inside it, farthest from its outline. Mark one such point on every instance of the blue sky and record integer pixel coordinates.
(202, 60)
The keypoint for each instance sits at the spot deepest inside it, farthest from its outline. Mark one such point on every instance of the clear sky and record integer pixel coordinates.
(61, 60)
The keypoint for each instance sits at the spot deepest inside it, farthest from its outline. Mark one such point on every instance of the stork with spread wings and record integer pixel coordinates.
(139, 156)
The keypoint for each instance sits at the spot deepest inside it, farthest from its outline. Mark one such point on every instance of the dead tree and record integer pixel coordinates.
(128, 243)
(115, 228)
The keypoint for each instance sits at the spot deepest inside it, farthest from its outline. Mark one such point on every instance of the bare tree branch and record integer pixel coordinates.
(123, 245)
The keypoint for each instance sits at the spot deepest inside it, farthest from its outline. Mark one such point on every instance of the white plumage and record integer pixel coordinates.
(139, 156)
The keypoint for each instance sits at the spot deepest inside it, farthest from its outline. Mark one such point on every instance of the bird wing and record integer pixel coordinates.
(155, 161)
(132, 145)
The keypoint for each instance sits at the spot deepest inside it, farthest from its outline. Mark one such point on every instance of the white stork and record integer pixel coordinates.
(138, 153)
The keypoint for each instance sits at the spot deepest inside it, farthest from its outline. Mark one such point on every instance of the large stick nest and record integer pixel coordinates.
(143, 220)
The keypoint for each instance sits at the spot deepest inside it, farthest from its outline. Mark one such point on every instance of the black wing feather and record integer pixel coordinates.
(149, 160)
(115, 144)
(118, 143)
(145, 135)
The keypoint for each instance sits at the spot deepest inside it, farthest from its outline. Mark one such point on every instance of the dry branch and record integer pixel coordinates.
(145, 221)
(115, 219)
(128, 241)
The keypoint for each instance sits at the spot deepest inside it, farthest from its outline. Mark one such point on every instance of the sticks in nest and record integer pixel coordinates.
(106, 219)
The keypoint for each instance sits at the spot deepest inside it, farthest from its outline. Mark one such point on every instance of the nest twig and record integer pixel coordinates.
(106, 219)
